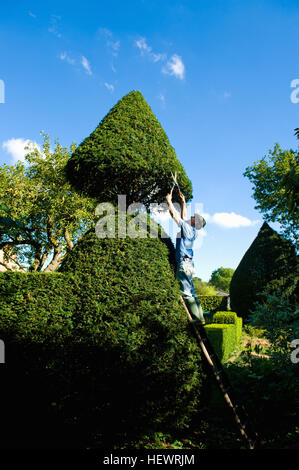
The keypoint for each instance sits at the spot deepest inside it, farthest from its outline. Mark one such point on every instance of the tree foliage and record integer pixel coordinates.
(275, 181)
(128, 153)
(203, 288)
(221, 278)
(40, 216)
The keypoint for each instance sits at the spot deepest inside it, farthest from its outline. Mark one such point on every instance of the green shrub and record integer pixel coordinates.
(223, 339)
(271, 395)
(269, 264)
(39, 306)
(213, 303)
(107, 335)
(230, 318)
(239, 328)
(128, 153)
(225, 317)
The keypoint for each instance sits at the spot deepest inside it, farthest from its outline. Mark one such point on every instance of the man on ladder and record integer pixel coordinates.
(184, 254)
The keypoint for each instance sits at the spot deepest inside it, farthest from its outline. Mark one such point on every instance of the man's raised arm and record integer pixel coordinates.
(183, 206)
(172, 209)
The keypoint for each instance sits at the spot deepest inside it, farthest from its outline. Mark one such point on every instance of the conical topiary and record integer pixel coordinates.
(128, 153)
(148, 373)
(130, 301)
(270, 263)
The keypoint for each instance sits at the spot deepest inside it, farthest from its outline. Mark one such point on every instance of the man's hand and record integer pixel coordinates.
(182, 197)
(183, 205)
(171, 207)
(169, 196)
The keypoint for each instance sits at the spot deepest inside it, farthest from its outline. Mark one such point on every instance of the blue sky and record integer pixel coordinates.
(217, 74)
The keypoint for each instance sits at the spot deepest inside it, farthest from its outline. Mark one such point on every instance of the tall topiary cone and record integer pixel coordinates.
(128, 153)
(269, 263)
(148, 371)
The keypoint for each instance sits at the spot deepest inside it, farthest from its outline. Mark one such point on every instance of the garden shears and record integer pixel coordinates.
(175, 182)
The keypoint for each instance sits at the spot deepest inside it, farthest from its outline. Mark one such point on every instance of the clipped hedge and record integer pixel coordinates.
(106, 338)
(223, 339)
(128, 153)
(213, 303)
(223, 342)
(270, 264)
(37, 306)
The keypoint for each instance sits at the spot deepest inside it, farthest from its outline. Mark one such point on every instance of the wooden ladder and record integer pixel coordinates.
(241, 417)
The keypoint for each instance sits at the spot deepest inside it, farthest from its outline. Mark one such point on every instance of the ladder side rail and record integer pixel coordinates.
(220, 374)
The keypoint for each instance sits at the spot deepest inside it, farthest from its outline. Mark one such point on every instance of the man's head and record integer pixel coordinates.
(197, 221)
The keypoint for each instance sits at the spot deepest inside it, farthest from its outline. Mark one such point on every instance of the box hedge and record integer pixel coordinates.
(106, 338)
(213, 303)
(230, 318)
(222, 341)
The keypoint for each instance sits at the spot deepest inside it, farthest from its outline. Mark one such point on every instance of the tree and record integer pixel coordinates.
(40, 216)
(128, 153)
(269, 265)
(221, 278)
(203, 288)
(275, 181)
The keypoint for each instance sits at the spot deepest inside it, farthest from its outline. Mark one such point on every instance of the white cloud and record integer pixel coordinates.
(67, 58)
(175, 66)
(113, 45)
(142, 45)
(109, 86)
(227, 94)
(157, 57)
(31, 14)
(55, 26)
(86, 65)
(146, 49)
(16, 148)
(229, 220)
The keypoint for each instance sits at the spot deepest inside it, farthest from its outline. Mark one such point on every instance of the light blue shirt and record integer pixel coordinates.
(184, 241)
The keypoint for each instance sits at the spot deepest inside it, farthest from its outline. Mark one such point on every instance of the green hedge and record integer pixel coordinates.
(270, 264)
(225, 317)
(239, 326)
(128, 153)
(223, 339)
(213, 303)
(106, 339)
(39, 306)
